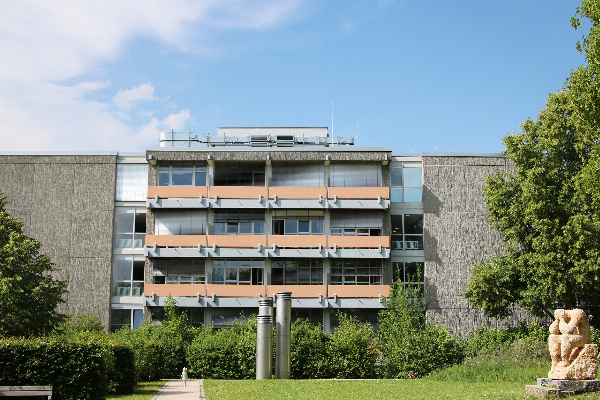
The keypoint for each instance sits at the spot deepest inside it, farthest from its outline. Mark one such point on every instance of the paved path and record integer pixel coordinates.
(174, 390)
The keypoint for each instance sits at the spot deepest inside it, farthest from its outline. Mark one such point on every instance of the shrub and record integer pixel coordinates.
(409, 346)
(310, 351)
(85, 322)
(74, 370)
(224, 353)
(351, 349)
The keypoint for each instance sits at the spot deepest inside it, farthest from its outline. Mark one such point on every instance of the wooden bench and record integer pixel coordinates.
(26, 391)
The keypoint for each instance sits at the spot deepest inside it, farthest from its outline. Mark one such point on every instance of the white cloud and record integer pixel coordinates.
(53, 52)
(125, 99)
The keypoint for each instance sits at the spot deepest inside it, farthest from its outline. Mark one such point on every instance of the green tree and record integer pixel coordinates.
(552, 235)
(28, 294)
(584, 87)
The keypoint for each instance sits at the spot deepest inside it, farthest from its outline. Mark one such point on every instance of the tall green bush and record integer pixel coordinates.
(409, 346)
(74, 370)
(224, 353)
(352, 352)
(310, 351)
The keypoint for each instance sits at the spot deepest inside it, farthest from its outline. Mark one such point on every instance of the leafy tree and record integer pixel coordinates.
(584, 88)
(551, 233)
(28, 294)
(85, 322)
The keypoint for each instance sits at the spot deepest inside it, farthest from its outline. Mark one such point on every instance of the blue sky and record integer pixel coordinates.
(417, 76)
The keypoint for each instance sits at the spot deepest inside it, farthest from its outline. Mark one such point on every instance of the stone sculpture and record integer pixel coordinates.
(573, 357)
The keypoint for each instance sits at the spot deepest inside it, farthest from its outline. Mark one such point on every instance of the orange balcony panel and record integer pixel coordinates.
(238, 192)
(368, 242)
(174, 290)
(176, 240)
(237, 240)
(358, 291)
(297, 240)
(236, 290)
(358, 192)
(177, 192)
(299, 291)
(297, 192)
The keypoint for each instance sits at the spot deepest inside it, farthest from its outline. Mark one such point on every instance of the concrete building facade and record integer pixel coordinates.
(219, 221)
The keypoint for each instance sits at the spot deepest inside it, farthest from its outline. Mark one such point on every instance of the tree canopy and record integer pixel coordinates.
(28, 293)
(547, 210)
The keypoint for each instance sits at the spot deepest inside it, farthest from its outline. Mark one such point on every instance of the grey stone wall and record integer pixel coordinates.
(457, 235)
(67, 203)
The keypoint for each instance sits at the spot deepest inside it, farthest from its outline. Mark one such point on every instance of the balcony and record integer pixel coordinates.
(179, 192)
(237, 240)
(358, 193)
(175, 240)
(237, 192)
(365, 242)
(298, 291)
(298, 241)
(297, 192)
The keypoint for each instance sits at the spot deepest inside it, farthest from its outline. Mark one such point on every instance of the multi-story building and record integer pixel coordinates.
(219, 221)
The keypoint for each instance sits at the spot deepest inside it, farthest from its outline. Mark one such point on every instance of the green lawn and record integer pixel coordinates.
(142, 391)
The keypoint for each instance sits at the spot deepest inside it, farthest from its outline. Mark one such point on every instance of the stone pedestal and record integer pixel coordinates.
(556, 388)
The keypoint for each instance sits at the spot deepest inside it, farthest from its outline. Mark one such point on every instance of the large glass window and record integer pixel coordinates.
(297, 222)
(297, 272)
(128, 276)
(239, 222)
(355, 174)
(407, 183)
(407, 232)
(300, 174)
(121, 318)
(182, 174)
(185, 271)
(180, 222)
(130, 227)
(410, 274)
(243, 271)
(239, 174)
(223, 317)
(356, 223)
(132, 182)
(356, 272)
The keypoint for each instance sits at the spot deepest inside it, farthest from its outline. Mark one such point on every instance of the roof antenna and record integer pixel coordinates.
(331, 118)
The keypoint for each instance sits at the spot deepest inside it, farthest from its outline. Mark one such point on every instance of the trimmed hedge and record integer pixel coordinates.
(74, 370)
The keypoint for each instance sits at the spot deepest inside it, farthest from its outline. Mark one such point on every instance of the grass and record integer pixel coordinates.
(142, 391)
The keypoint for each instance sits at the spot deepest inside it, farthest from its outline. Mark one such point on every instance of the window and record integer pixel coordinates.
(358, 174)
(356, 272)
(407, 183)
(239, 174)
(362, 314)
(239, 222)
(410, 274)
(182, 174)
(407, 232)
(222, 317)
(297, 222)
(297, 272)
(128, 276)
(356, 223)
(195, 315)
(180, 222)
(130, 227)
(299, 174)
(238, 271)
(132, 182)
(120, 318)
(314, 316)
(183, 271)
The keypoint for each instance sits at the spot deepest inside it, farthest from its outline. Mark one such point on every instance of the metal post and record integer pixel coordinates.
(264, 347)
(265, 307)
(283, 355)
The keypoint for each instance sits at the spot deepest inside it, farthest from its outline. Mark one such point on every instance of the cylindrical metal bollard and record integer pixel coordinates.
(264, 347)
(283, 355)
(265, 307)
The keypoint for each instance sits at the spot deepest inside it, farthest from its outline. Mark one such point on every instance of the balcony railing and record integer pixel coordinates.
(280, 241)
(298, 291)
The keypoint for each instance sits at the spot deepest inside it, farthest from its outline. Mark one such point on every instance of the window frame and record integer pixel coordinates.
(196, 169)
